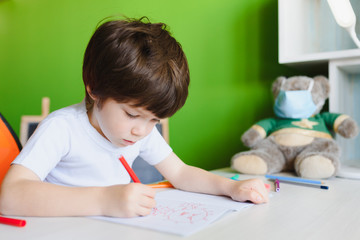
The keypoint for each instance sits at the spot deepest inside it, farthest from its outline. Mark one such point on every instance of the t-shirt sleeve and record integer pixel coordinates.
(45, 148)
(330, 119)
(267, 124)
(154, 149)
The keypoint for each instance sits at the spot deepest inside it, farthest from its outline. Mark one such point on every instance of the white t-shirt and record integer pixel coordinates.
(66, 149)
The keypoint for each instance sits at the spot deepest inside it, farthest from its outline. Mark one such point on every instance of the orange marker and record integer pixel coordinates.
(165, 184)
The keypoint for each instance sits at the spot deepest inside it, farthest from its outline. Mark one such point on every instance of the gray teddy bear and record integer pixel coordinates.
(299, 138)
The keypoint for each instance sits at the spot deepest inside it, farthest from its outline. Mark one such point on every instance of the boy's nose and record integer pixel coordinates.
(138, 130)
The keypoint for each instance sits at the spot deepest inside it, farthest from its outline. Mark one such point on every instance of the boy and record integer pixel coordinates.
(134, 74)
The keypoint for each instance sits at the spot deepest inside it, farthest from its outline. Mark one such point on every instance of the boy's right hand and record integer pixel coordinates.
(128, 200)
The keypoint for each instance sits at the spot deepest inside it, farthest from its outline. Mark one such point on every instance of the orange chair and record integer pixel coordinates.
(10, 146)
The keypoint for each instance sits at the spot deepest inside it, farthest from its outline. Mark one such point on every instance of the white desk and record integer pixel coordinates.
(295, 212)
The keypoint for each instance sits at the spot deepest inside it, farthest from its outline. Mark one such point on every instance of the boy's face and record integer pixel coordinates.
(122, 123)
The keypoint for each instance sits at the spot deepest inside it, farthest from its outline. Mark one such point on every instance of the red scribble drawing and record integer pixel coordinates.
(186, 212)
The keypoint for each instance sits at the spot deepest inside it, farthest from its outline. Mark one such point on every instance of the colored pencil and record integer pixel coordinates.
(12, 221)
(277, 185)
(129, 170)
(135, 179)
(306, 184)
(235, 177)
(293, 179)
(165, 184)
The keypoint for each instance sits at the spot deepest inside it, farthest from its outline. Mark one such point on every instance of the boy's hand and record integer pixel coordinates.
(252, 190)
(129, 200)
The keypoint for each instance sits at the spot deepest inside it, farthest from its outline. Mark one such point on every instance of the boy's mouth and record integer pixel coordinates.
(128, 142)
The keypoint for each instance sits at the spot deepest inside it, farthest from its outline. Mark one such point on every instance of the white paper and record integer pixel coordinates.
(182, 213)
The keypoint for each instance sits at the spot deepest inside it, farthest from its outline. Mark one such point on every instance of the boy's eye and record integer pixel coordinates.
(131, 115)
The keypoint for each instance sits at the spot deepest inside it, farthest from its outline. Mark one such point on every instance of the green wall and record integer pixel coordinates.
(231, 47)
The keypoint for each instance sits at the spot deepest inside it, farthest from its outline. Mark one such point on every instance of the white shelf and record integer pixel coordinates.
(309, 36)
(344, 77)
(308, 32)
(323, 57)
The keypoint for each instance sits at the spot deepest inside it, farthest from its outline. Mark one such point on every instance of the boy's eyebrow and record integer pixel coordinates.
(141, 110)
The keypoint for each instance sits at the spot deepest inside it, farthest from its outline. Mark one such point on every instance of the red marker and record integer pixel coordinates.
(129, 170)
(13, 221)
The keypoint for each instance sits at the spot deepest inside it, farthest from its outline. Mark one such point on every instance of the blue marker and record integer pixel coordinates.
(306, 184)
(293, 179)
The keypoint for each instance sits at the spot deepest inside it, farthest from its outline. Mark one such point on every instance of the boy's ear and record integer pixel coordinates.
(93, 97)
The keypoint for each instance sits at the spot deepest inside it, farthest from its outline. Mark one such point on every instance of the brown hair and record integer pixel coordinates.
(135, 61)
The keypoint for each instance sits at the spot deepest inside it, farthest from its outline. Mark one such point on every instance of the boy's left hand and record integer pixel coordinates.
(252, 190)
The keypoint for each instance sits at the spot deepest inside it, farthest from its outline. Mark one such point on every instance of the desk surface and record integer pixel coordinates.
(296, 212)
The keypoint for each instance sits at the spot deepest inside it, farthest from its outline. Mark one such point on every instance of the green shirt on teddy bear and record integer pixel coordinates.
(319, 125)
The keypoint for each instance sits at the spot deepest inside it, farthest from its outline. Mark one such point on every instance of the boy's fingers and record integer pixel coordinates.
(250, 195)
(146, 206)
(148, 191)
(256, 197)
(144, 211)
(148, 202)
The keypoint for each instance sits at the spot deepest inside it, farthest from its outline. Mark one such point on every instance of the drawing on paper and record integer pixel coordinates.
(185, 212)
(182, 213)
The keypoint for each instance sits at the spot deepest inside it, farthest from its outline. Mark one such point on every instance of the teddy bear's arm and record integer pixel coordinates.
(346, 126)
(253, 135)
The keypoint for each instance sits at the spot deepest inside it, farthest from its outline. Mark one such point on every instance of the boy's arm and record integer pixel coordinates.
(194, 179)
(22, 193)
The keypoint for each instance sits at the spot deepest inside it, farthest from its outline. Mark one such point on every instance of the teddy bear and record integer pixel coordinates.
(299, 138)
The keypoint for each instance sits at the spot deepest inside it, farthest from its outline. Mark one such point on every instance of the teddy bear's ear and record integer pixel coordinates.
(323, 84)
(277, 85)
